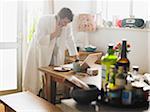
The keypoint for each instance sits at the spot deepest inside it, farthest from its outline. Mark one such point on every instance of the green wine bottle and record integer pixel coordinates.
(109, 59)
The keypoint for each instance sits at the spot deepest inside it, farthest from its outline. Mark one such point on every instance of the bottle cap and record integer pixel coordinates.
(135, 68)
(124, 39)
(110, 44)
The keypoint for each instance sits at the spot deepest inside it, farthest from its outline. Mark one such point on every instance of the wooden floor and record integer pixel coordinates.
(2, 108)
(71, 106)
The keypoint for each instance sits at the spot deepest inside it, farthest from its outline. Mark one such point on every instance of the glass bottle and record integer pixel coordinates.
(109, 59)
(123, 60)
(135, 70)
(136, 75)
(120, 79)
(112, 75)
(127, 92)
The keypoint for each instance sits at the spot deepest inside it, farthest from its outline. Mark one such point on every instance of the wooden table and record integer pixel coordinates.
(52, 77)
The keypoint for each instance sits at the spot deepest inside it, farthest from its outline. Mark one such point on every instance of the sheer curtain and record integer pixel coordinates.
(31, 11)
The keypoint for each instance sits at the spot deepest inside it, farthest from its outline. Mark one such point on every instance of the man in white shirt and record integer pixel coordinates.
(52, 38)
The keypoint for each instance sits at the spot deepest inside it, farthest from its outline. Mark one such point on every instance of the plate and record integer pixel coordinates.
(62, 69)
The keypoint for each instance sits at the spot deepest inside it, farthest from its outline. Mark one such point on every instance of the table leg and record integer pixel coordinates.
(53, 91)
(50, 89)
(47, 87)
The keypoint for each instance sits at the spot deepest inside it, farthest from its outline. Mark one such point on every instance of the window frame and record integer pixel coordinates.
(18, 46)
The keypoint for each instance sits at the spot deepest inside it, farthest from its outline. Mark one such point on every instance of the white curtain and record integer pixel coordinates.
(29, 12)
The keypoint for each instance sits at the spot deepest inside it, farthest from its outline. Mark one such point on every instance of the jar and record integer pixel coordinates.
(76, 66)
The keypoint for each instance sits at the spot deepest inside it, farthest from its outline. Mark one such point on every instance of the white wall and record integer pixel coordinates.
(137, 39)
(149, 38)
(149, 52)
(77, 6)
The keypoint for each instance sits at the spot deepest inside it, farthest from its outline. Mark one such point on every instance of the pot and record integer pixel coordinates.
(85, 96)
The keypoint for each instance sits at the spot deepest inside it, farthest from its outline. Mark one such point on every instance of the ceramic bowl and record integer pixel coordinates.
(90, 48)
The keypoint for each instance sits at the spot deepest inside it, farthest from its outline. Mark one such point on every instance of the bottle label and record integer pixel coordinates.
(103, 72)
(124, 65)
(126, 97)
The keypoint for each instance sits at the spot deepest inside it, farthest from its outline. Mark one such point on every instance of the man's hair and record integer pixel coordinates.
(65, 12)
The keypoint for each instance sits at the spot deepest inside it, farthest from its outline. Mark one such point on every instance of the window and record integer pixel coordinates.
(8, 69)
(119, 9)
(123, 9)
(34, 9)
(9, 46)
(140, 9)
(8, 21)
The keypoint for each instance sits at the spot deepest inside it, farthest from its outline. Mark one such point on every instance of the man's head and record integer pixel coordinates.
(65, 16)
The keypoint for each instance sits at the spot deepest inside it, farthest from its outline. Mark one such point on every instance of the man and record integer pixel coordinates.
(52, 37)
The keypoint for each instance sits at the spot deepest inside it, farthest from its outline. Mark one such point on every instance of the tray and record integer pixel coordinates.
(136, 101)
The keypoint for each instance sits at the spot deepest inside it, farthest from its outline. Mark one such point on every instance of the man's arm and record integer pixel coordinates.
(71, 46)
(42, 36)
(57, 32)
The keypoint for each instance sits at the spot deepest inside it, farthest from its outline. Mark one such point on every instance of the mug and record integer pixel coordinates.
(76, 66)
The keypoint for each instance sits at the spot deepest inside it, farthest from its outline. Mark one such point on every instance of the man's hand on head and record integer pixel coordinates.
(57, 32)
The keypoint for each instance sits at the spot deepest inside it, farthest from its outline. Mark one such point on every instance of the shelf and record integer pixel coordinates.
(126, 29)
